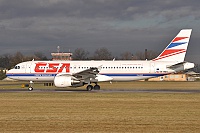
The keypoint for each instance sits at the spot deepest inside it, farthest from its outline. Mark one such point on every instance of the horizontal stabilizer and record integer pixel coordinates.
(181, 66)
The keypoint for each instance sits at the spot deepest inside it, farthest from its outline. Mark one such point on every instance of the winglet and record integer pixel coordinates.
(177, 48)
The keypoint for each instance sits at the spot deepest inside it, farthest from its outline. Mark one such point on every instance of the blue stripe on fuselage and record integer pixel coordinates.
(31, 75)
(107, 74)
(133, 75)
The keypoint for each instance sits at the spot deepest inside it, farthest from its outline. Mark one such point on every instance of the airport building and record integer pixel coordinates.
(189, 76)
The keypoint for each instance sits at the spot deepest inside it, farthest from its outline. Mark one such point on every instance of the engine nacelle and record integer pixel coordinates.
(101, 78)
(65, 81)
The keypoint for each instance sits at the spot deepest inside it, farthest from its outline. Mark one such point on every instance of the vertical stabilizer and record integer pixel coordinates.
(177, 48)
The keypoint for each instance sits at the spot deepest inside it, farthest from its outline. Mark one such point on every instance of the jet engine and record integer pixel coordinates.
(66, 81)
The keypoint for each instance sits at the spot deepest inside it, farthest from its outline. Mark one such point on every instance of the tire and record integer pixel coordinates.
(96, 87)
(89, 87)
(30, 88)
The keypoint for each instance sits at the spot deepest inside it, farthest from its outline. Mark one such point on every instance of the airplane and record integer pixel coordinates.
(80, 73)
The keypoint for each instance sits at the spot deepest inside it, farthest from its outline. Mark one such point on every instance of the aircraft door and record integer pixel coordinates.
(28, 68)
(152, 67)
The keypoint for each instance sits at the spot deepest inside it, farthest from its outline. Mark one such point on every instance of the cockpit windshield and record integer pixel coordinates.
(17, 67)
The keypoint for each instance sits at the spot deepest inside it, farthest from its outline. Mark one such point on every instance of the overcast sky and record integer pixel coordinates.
(119, 25)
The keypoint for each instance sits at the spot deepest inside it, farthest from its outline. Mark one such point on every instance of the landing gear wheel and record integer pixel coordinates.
(89, 87)
(96, 87)
(30, 88)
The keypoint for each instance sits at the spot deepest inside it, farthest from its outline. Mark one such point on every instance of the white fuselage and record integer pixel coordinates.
(116, 70)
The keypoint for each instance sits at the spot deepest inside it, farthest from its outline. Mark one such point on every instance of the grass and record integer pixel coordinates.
(99, 112)
(102, 112)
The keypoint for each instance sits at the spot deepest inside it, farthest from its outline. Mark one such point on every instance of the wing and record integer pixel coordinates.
(87, 74)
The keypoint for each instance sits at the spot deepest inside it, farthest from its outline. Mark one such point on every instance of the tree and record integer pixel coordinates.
(40, 56)
(151, 54)
(17, 58)
(126, 56)
(141, 55)
(102, 54)
(2, 74)
(80, 54)
(5, 61)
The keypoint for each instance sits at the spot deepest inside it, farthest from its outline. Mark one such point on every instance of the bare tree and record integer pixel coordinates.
(17, 58)
(102, 54)
(151, 54)
(126, 56)
(5, 61)
(80, 54)
(39, 56)
(141, 55)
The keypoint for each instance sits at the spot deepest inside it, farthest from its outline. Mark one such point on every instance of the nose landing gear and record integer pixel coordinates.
(30, 88)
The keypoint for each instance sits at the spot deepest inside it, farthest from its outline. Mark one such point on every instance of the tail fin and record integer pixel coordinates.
(177, 48)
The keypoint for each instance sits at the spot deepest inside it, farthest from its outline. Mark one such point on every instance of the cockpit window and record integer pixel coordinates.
(17, 67)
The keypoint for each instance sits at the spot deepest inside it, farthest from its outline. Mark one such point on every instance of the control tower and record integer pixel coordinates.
(61, 56)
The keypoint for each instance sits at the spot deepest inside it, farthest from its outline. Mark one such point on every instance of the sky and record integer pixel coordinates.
(121, 26)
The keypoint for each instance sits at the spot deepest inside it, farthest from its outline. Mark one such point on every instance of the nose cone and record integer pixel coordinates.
(9, 74)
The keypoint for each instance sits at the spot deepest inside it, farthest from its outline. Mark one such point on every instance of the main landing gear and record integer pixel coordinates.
(30, 88)
(90, 87)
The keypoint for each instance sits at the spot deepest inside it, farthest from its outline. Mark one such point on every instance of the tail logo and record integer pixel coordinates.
(177, 48)
(174, 48)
